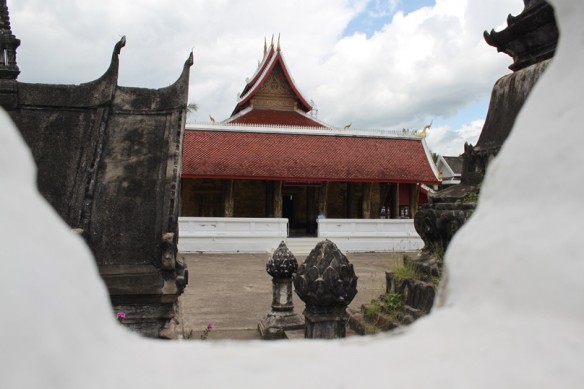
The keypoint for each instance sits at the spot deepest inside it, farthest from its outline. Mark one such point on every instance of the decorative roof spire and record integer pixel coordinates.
(8, 44)
(272, 44)
(265, 48)
(278, 42)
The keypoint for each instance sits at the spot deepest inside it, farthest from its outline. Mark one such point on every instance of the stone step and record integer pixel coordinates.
(301, 246)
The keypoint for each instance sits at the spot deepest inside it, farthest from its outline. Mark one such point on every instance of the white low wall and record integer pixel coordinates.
(230, 234)
(248, 235)
(362, 235)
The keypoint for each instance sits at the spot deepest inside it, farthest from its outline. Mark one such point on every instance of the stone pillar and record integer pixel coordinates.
(281, 317)
(394, 201)
(277, 199)
(413, 200)
(228, 203)
(327, 283)
(366, 200)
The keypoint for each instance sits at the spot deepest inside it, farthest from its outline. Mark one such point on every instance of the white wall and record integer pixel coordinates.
(361, 235)
(230, 234)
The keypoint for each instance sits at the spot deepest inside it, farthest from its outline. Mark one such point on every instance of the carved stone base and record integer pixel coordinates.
(275, 324)
(153, 320)
(325, 322)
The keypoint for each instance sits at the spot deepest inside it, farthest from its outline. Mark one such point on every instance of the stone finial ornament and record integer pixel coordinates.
(327, 283)
(281, 266)
(326, 278)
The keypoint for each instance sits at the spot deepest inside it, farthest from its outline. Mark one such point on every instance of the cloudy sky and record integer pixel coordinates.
(378, 64)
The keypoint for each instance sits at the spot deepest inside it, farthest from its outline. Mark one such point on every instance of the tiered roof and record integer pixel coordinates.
(272, 136)
(270, 96)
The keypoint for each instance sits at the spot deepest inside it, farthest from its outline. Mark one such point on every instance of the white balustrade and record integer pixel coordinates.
(362, 235)
(230, 234)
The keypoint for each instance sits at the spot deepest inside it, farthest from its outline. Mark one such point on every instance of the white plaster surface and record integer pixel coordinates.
(230, 234)
(513, 306)
(364, 235)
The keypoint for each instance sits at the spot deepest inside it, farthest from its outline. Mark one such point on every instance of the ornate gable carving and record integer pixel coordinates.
(275, 93)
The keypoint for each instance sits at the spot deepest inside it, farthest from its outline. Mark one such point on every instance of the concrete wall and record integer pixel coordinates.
(230, 234)
(362, 235)
(208, 234)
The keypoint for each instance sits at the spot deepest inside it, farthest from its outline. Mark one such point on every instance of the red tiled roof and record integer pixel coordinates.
(271, 117)
(281, 156)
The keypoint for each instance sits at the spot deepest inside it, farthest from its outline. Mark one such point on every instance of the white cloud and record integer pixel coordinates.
(447, 141)
(425, 65)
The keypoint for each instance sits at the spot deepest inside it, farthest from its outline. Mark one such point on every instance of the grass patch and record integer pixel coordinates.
(369, 329)
(406, 271)
(372, 309)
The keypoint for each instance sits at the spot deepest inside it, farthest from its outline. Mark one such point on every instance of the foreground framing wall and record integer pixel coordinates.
(109, 162)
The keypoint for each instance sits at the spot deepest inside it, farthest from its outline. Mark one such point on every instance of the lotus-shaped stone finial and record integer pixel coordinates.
(326, 278)
(282, 264)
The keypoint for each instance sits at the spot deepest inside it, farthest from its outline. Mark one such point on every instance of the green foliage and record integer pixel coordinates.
(406, 271)
(470, 197)
(435, 157)
(393, 302)
(372, 309)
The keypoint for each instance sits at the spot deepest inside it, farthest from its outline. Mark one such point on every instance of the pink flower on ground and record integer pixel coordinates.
(210, 326)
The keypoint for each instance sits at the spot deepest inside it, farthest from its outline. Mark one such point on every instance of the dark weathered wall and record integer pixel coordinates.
(109, 162)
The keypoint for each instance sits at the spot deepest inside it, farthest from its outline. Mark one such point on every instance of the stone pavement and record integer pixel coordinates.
(234, 292)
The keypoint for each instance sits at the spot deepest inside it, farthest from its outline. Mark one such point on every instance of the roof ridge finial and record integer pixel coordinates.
(272, 44)
(278, 49)
(265, 47)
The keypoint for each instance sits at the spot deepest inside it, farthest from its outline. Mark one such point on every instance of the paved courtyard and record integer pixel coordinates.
(234, 292)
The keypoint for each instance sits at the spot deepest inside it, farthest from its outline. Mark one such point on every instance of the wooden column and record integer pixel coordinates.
(311, 210)
(351, 214)
(322, 201)
(277, 199)
(413, 200)
(394, 201)
(228, 203)
(366, 200)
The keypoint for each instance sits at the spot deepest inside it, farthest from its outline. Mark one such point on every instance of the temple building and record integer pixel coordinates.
(274, 159)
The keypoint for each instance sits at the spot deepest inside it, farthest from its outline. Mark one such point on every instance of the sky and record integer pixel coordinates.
(377, 64)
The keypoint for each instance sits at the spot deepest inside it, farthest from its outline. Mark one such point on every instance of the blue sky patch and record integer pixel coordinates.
(378, 13)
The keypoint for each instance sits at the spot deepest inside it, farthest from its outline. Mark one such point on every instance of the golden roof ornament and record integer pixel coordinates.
(265, 47)
(422, 134)
(278, 48)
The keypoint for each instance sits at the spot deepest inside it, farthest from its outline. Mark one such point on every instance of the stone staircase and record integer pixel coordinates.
(301, 247)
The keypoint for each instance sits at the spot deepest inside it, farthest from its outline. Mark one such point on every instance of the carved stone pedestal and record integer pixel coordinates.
(325, 322)
(327, 283)
(282, 317)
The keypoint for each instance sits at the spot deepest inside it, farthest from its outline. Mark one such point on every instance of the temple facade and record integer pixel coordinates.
(273, 159)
